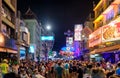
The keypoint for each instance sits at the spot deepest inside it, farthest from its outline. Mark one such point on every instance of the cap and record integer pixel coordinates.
(5, 60)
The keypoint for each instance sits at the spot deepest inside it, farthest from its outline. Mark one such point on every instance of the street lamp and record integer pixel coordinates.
(48, 27)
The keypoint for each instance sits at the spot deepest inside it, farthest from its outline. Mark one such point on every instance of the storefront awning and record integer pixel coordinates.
(105, 49)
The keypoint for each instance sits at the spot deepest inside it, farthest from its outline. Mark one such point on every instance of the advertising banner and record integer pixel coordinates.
(69, 41)
(111, 32)
(77, 32)
(95, 38)
(47, 38)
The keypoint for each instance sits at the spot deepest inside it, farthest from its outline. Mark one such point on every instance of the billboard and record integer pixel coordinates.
(111, 32)
(69, 41)
(47, 38)
(95, 38)
(77, 32)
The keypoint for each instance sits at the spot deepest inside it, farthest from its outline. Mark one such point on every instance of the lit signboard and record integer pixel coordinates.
(32, 49)
(47, 38)
(69, 41)
(77, 32)
(95, 38)
(2, 40)
(111, 32)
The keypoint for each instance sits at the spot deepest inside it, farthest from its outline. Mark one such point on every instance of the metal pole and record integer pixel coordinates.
(40, 43)
(18, 36)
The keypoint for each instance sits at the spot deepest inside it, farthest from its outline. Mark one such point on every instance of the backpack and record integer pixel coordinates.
(66, 66)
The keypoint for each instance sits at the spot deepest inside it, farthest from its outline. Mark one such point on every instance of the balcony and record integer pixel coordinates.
(8, 3)
(9, 23)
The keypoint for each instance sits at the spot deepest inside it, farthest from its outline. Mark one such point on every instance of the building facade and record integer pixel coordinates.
(24, 40)
(8, 9)
(104, 41)
(34, 28)
(87, 30)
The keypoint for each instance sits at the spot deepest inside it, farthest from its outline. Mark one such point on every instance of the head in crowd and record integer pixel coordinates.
(11, 75)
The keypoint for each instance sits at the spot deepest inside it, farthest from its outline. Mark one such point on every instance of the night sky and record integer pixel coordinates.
(60, 14)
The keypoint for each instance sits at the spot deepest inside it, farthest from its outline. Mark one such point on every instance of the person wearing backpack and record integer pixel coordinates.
(66, 69)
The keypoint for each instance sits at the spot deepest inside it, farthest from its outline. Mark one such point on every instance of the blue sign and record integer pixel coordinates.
(71, 49)
(31, 49)
(10, 43)
(47, 38)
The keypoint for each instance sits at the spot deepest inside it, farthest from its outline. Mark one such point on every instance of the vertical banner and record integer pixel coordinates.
(77, 32)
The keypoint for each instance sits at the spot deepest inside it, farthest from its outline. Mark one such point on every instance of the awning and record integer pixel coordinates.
(7, 50)
(105, 49)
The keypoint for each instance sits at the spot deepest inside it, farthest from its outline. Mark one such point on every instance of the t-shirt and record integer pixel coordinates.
(4, 68)
(80, 73)
(59, 70)
(118, 71)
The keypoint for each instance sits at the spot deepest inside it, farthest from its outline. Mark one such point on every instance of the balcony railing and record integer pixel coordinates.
(100, 24)
(8, 2)
(99, 12)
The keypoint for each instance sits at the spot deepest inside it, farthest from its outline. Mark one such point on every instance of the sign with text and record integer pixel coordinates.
(111, 32)
(69, 41)
(47, 38)
(77, 32)
(95, 38)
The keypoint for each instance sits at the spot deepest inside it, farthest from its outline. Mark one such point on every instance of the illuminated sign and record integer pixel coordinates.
(69, 41)
(110, 32)
(47, 38)
(2, 40)
(95, 38)
(77, 31)
(32, 49)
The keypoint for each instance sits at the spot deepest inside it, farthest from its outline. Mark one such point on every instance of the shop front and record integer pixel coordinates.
(110, 54)
(8, 47)
(106, 41)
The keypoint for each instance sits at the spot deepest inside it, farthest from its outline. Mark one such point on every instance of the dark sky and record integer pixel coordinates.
(60, 14)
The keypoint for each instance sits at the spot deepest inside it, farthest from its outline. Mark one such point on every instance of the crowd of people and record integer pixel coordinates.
(59, 69)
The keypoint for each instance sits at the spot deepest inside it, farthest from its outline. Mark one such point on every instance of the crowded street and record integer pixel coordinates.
(59, 69)
(59, 38)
